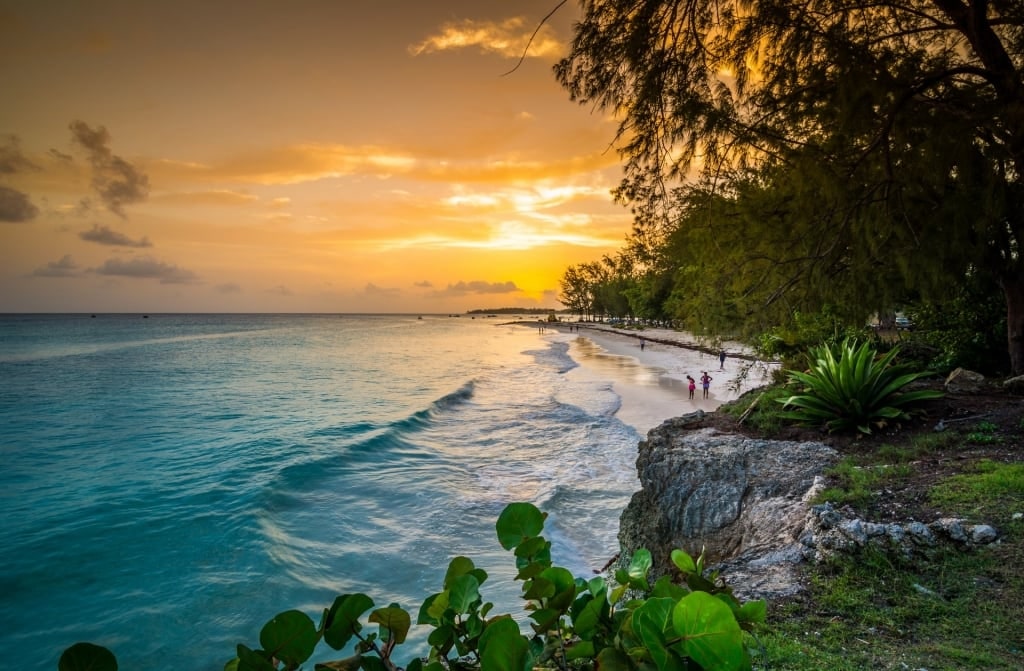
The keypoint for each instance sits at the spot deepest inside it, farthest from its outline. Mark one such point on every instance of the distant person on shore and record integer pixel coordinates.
(641, 344)
(721, 360)
(693, 386)
(705, 381)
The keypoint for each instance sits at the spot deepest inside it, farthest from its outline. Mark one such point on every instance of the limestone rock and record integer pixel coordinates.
(827, 532)
(730, 494)
(1014, 385)
(745, 502)
(963, 381)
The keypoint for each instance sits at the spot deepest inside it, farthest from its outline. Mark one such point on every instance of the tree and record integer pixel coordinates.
(879, 145)
(576, 294)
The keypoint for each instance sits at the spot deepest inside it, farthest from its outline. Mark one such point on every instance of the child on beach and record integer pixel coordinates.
(705, 381)
(693, 386)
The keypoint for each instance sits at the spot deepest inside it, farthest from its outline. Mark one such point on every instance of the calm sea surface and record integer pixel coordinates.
(170, 483)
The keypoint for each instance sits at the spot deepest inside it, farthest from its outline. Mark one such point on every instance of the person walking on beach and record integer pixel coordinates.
(641, 344)
(705, 381)
(721, 360)
(693, 386)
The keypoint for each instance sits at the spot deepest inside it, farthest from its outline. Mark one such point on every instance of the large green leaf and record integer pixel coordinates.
(456, 567)
(425, 615)
(709, 631)
(585, 622)
(518, 522)
(639, 565)
(464, 592)
(290, 636)
(539, 588)
(652, 623)
(546, 618)
(87, 657)
(611, 659)
(683, 561)
(580, 650)
(253, 660)
(503, 647)
(564, 587)
(343, 618)
(395, 620)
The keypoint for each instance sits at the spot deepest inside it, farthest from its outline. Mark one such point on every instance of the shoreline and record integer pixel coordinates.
(651, 382)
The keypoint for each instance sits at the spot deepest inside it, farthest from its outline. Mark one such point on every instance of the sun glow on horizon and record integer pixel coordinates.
(362, 162)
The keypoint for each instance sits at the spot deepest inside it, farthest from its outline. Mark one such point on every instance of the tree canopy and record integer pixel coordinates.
(782, 154)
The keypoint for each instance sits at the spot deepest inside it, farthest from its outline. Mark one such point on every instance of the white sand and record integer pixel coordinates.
(652, 382)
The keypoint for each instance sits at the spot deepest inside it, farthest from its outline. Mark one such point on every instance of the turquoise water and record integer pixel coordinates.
(170, 483)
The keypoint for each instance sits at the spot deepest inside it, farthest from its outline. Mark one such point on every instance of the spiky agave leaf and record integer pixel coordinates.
(848, 386)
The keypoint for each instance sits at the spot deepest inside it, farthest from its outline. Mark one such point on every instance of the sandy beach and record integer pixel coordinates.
(652, 381)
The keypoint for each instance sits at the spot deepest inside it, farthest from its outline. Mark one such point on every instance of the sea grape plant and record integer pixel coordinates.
(699, 625)
(614, 624)
(849, 387)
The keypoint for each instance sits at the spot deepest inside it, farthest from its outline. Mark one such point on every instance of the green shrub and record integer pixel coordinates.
(577, 623)
(848, 387)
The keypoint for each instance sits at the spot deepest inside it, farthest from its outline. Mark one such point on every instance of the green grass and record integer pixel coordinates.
(918, 447)
(766, 415)
(992, 486)
(958, 611)
(857, 484)
(953, 610)
(984, 433)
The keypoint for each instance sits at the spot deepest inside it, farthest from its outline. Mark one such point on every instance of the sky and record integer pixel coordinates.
(295, 156)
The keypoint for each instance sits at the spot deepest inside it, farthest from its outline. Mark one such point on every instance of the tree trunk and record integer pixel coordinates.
(1013, 289)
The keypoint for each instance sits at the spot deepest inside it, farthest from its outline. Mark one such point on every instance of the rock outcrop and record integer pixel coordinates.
(733, 495)
(746, 503)
(963, 381)
(828, 531)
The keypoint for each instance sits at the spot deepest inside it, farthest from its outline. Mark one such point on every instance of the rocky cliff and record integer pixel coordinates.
(736, 496)
(746, 502)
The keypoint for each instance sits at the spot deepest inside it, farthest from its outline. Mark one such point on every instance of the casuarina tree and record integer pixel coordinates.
(880, 146)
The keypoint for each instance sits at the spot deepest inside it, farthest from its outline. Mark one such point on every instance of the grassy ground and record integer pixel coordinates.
(952, 610)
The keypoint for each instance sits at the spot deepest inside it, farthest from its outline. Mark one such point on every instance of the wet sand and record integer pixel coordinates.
(652, 381)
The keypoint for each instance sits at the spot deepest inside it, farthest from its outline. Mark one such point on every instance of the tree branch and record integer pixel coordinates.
(535, 31)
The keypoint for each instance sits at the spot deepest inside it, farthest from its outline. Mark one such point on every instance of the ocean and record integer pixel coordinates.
(171, 482)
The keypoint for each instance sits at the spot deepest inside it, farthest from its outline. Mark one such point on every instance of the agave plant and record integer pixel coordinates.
(848, 386)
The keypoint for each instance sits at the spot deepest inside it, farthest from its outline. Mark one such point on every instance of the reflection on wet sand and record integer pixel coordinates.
(648, 396)
(621, 367)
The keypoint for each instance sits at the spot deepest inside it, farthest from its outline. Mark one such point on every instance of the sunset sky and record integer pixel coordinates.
(302, 156)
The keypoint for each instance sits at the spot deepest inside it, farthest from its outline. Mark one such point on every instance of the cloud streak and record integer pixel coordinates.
(506, 38)
(15, 206)
(12, 161)
(104, 235)
(65, 267)
(146, 267)
(478, 287)
(116, 181)
(306, 163)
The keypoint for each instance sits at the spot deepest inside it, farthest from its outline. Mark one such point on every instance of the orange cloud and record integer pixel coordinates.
(508, 38)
